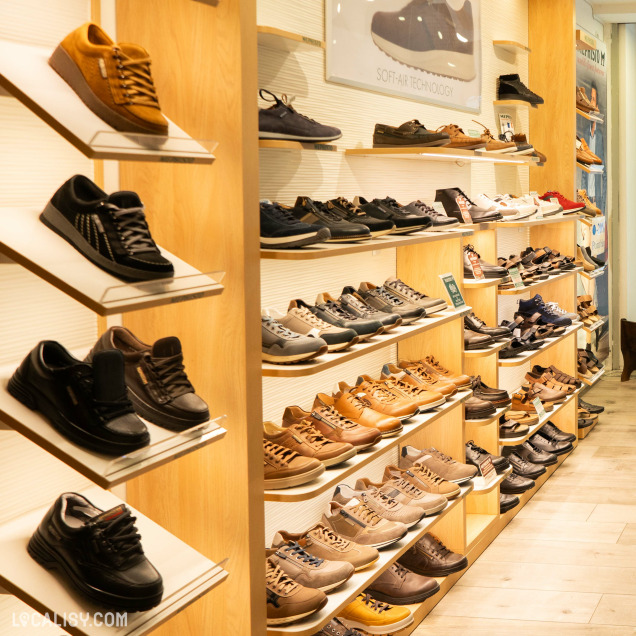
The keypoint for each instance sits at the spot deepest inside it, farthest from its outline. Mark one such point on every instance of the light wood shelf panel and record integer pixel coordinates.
(488, 420)
(333, 476)
(582, 433)
(597, 325)
(379, 342)
(589, 170)
(530, 289)
(274, 38)
(471, 283)
(360, 581)
(477, 525)
(597, 273)
(511, 46)
(590, 116)
(524, 357)
(533, 222)
(30, 243)
(326, 250)
(594, 379)
(482, 353)
(439, 153)
(283, 144)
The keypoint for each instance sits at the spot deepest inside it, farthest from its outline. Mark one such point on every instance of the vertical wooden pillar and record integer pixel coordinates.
(204, 62)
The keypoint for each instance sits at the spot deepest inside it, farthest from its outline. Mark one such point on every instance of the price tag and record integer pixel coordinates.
(452, 288)
(537, 202)
(538, 405)
(555, 201)
(597, 242)
(463, 208)
(516, 277)
(488, 472)
(475, 266)
(505, 122)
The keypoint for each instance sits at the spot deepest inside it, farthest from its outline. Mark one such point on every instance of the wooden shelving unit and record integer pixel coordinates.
(532, 287)
(282, 144)
(510, 46)
(275, 38)
(589, 170)
(591, 116)
(526, 356)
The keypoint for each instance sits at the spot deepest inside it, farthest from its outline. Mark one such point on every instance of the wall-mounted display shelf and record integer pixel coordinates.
(530, 289)
(593, 274)
(533, 221)
(283, 144)
(471, 283)
(26, 74)
(590, 116)
(487, 351)
(594, 379)
(524, 357)
(274, 38)
(511, 46)
(513, 103)
(597, 325)
(591, 169)
(438, 154)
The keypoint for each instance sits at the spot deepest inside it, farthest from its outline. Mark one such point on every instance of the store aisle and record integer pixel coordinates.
(569, 556)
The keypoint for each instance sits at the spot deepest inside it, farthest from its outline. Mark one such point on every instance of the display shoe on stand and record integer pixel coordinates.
(283, 346)
(409, 295)
(453, 199)
(415, 373)
(498, 397)
(353, 214)
(355, 305)
(440, 222)
(445, 466)
(515, 484)
(320, 214)
(329, 310)
(335, 628)
(591, 407)
(521, 466)
(459, 139)
(405, 493)
(582, 197)
(569, 207)
(507, 502)
(476, 324)
(285, 468)
(476, 456)
(279, 229)
(510, 87)
(389, 209)
(489, 270)
(383, 299)
(425, 479)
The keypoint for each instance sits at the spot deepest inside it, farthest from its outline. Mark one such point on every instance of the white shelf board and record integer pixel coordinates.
(524, 357)
(593, 274)
(27, 241)
(481, 488)
(594, 379)
(187, 575)
(26, 74)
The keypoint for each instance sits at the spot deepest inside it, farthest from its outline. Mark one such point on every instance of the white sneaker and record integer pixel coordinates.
(523, 209)
(554, 308)
(505, 210)
(547, 208)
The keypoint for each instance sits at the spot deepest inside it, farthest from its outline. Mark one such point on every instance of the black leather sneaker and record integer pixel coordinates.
(548, 444)
(109, 230)
(474, 323)
(404, 221)
(507, 502)
(332, 312)
(489, 270)
(475, 455)
(439, 222)
(353, 214)
(410, 133)
(156, 379)
(510, 87)
(355, 305)
(100, 553)
(87, 403)
(279, 229)
(520, 465)
(317, 213)
(515, 484)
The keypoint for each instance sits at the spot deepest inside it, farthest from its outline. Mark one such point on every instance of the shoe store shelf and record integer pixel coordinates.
(30, 243)
(482, 353)
(105, 470)
(513, 103)
(597, 325)
(333, 476)
(439, 153)
(282, 144)
(26, 74)
(187, 575)
(590, 116)
(477, 525)
(589, 220)
(586, 168)
(360, 581)
(594, 274)
(274, 38)
(488, 420)
(524, 357)
(582, 433)
(514, 441)
(481, 488)
(517, 291)
(594, 379)
(533, 222)
(511, 46)
(471, 283)
(389, 241)
(379, 342)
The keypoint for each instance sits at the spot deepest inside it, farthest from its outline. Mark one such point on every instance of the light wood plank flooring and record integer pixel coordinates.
(566, 564)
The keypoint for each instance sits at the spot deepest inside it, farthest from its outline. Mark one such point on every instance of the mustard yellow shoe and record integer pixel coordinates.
(375, 617)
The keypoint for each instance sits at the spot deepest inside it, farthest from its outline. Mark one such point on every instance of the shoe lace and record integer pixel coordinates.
(311, 318)
(117, 537)
(132, 228)
(107, 410)
(284, 100)
(328, 211)
(375, 606)
(407, 487)
(277, 580)
(407, 290)
(297, 552)
(135, 79)
(384, 499)
(440, 549)
(436, 364)
(309, 434)
(278, 454)
(337, 419)
(520, 460)
(427, 474)
(400, 570)
(279, 212)
(330, 537)
(354, 302)
(486, 131)
(420, 372)
(476, 448)
(278, 328)
(170, 374)
(385, 294)
(470, 248)
(478, 320)
(441, 456)
(392, 203)
(554, 308)
(349, 206)
(426, 208)
(467, 199)
(337, 309)
(362, 512)
(380, 392)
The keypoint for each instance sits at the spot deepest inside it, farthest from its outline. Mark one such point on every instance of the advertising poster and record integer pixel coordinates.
(428, 50)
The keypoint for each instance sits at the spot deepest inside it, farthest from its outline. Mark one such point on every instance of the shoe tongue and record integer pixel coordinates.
(111, 514)
(132, 50)
(108, 376)
(166, 347)
(390, 279)
(125, 199)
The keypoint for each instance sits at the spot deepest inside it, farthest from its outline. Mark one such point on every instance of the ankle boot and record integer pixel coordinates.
(628, 348)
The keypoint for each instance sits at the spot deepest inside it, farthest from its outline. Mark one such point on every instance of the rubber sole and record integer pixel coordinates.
(295, 480)
(406, 600)
(334, 461)
(384, 544)
(393, 432)
(286, 620)
(302, 140)
(297, 241)
(342, 346)
(506, 507)
(389, 628)
(442, 228)
(429, 512)
(333, 586)
(299, 357)
(169, 422)
(461, 565)
(398, 144)
(431, 405)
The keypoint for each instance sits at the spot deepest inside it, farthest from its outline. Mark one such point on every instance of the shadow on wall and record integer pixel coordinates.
(628, 348)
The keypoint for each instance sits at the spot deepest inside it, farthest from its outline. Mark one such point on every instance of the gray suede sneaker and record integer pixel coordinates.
(280, 345)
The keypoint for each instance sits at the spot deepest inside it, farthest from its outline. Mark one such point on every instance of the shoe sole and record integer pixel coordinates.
(435, 308)
(507, 507)
(296, 241)
(342, 346)
(366, 565)
(388, 628)
(333, 586)
(62, 63)
(295, 480)
(461, 565)
(461, 480)
(393, 433)
(384, 544)
(408, 230)
(298, 357)
(302, 140)
(333, 461)
(57, 222)
(442, 228)
(285, 620)
(46, 556)
(429, 512)
(431, 405)
(406, 600)
(367, 336)
(349, 239)
(425, 144)
(36, 401)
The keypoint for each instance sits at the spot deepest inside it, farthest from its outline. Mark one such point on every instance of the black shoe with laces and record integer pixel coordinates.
(592, 408)
(547, 443)
(354, 304)
(510, 87)
(405, 221)
(109, 230)
(451, 198)
(353, 214)
(279, 229)
(520, 465)
(515, 484)
(532, 453)
(318, 213)
(507, 502)
(551, 431)
(99, 552)
(156, 379)
(439, 222)
(474, 323)
(87, 403)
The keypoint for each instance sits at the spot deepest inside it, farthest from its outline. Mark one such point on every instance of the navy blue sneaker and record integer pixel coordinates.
(535, 305)
(279, 228)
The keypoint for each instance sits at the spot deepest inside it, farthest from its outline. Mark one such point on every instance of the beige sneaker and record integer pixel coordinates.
(358, 522)
(435, 367)
(288, 601)
(414, 373)
(385, 506)
(383, 400)
(322, 542)
(425, 479)
(285, 468)
(438, 462)
(406, 493)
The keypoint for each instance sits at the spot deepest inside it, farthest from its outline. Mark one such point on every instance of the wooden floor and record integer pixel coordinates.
(569, 557)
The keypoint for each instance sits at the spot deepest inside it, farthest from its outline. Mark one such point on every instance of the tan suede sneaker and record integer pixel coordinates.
(285, 468)
(445, 466)
(406, 493)
(460, 380)
(425, 479)
(416, 374)
(382, 399)
(358, 409)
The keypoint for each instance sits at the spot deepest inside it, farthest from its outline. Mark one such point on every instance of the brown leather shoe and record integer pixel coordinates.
(425, 479)
(383, 400)
(522, 402)
(308, 442)
(113, 80)
(416, 373)
(459, 139)
(430, 557)
(543, 392)
(285, 468)
(359, 411)
(400, 586)
(474, 340)
(435, 367)
(326, 420)
(421, 397)
(438, 462)
(478, 409)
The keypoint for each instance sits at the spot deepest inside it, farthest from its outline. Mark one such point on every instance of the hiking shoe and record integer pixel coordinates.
(285, 468)
(400, 586)
(87, 403)
(113, 80)
(374, 617)
(317, 213)
(334, 313)
(430, 557)
(282, 346)
(452, 198)
(323, 543)
(445, 466)
(534, 305)
(98, 552)
(476, 455)
(280, 229)
(288, 601)
(459, 139)
(385, 300)
(515, 484)
(282, 121)
(353, 214)
(406, 493)
(507, 502)
(354, 304)
(305, 440)
(432, 37)
(510, 87)
(411, 133)
(358, 522)
(439, 222)
(569, 207)
(412, 296)
(389, 208)
(425, 479)
(301, 319)
(309, 570)
(109, 230)
(158, 385)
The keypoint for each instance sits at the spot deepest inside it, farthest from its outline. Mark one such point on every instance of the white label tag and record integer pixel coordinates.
(597, 242)
(488, 472)
(538, 405)
(517, 333)
(516, 277)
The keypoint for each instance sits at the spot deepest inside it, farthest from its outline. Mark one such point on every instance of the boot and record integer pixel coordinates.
(628, 348)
